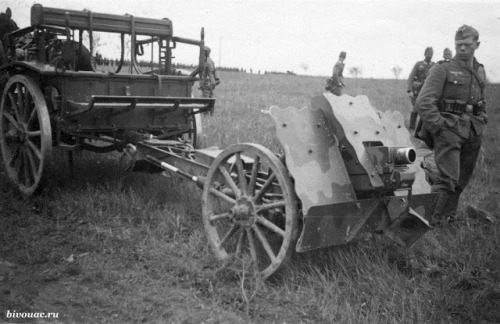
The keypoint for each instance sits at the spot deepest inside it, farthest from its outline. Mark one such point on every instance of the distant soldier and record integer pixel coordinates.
(452, 107)
(416, 81)
(209, 76)
(7, 25)
(336, 83)
(447, 54)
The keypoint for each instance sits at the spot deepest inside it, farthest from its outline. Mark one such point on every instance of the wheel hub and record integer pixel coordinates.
(243, 212)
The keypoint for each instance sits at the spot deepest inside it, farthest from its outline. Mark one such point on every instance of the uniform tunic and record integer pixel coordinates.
(208, 78)
(457, 135)
(417, 78)
(337, 80)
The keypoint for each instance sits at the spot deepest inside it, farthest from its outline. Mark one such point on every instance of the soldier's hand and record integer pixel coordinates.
(411, 94)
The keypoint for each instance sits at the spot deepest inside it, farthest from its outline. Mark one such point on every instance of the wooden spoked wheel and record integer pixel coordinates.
(195, 134)
(250, 209)
(25, 132)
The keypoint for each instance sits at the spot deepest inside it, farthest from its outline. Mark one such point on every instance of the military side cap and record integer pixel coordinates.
(428, 50)
(342, 55)
(466, 31)
(447, 51)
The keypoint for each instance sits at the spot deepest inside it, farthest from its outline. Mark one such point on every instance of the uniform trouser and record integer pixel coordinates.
(413, 115)
(206, 89)
(455, 160)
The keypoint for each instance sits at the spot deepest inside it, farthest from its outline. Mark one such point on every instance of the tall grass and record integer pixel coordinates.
(140, 252)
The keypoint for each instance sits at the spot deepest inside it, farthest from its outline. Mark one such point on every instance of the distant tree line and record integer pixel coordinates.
(104, 61)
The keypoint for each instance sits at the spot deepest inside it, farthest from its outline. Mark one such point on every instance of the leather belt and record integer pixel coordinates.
(459, 108)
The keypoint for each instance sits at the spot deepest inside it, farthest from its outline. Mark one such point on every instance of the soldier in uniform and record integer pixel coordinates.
(336, 83)
(209, 76)
(453, 110)
(7, 25)
(447, 54)
(416, 81)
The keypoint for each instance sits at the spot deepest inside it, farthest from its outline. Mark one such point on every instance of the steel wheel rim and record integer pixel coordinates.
(25, 132)
(259, 222)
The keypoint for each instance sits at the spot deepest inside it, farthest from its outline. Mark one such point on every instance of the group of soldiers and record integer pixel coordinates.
(448, 96)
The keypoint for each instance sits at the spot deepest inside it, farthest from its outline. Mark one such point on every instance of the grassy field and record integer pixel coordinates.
(95, 246)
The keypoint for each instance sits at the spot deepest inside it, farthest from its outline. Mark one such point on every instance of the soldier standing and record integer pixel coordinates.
(209, 76)
(453, 110)
(7, 25)
(416, 81)
(336, 83)
(447, 54)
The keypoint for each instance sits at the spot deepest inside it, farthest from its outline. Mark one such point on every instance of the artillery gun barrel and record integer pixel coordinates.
(404, 155)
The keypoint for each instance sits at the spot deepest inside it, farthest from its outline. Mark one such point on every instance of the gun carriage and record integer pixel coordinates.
(347, 169)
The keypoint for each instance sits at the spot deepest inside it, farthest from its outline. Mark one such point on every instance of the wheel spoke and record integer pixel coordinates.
(229, 234)
(35, 149)
(213, 218)
(265, 244)
(274, 204)
(11, 119)
(253, 177)
(27, 177)
(241, 173)
(29, 106)
(221, 195)
(239, 244)
(251, 244)
(270, 225)
(32, 116)
(14, 156)
(34, 133)
(265, 187)
(15, 106)
(18, 162)
(20, 97)
(229, 181)
(32, 163)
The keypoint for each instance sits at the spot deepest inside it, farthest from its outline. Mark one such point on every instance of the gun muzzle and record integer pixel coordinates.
(404, 155)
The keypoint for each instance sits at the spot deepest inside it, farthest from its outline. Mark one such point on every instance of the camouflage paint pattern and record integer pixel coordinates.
(340, 148)
(357, 122)
(312, 157)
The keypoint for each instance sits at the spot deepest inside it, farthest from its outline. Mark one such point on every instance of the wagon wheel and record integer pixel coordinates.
(25, 132)
(195, 134)
(250, 209)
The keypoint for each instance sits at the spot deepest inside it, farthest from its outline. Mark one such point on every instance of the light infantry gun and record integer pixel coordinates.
(347, 170)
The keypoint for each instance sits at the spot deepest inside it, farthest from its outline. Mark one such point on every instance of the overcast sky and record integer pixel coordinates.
(278, 35)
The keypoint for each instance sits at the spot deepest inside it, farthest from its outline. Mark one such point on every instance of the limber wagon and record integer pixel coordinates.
(53, 97)
(347, 169)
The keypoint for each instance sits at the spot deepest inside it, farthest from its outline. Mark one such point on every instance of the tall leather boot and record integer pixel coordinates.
(413, 120)
(437, 217)
(450, 208)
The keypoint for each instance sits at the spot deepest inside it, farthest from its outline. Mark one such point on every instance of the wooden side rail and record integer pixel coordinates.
(99, 22)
